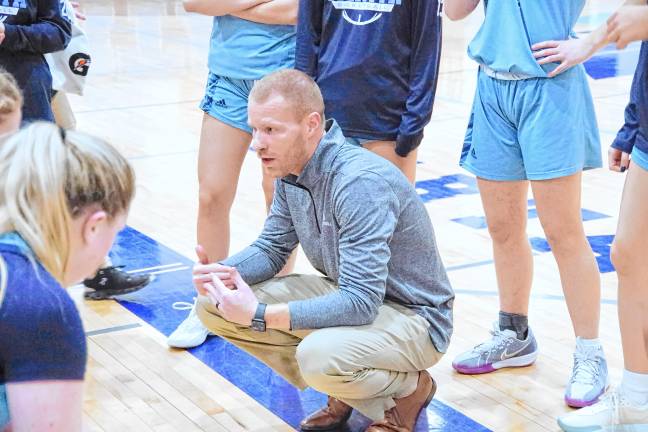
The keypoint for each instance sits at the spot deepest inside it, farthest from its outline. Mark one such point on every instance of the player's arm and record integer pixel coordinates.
(50, 32)
(423, 74)
(629, 23)
(367, 210)
(45, 406)
(459, 9)
(309, 36)
(572, 52)
(220, 7)
(273, 12)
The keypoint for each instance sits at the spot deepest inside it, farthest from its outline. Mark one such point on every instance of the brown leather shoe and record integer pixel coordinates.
(330, 417)
(402, 418)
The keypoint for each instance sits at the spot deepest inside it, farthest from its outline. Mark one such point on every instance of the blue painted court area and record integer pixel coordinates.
(611, 62)
(154, 304)
(451, 186)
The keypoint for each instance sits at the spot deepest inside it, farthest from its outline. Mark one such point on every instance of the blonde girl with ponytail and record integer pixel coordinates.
(63, 199)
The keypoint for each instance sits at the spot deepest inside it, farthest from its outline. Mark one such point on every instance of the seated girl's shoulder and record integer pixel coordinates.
(32, 292)
(41, 336)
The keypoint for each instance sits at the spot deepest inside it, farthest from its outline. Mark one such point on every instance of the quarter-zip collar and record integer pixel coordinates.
(322, 159)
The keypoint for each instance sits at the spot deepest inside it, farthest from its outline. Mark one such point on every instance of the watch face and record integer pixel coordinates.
(258, 325)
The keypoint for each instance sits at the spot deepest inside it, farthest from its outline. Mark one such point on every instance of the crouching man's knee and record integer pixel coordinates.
(318, 363)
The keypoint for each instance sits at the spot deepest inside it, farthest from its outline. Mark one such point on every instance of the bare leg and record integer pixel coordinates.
(385, 149)
(558, 202)
(220, 157)
(629, 254)
(505, 205)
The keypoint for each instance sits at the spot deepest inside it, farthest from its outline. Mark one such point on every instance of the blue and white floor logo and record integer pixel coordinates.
(363, 12)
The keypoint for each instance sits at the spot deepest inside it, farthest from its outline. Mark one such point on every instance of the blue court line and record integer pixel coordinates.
(153, 304)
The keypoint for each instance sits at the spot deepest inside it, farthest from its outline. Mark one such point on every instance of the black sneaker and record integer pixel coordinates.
(112, 281)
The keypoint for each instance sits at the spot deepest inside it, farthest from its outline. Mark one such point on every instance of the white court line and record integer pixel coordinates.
(170, 270)
(154, 268)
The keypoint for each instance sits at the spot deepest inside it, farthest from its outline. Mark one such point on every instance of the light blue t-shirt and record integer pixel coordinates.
(246, 50)
(511, 27)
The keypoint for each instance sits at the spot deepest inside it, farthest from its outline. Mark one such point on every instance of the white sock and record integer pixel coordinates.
(587, 344)
(634, 387)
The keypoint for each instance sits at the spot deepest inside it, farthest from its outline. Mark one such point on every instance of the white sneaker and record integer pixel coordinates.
(613, 412)
(589, 378)
(190, 333)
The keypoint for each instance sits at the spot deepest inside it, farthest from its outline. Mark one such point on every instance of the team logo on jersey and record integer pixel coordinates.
(11, 7)
(364, 12)
(15, 4)
(79, 64)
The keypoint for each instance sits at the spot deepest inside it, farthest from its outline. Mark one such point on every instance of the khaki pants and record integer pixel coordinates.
(364, 366)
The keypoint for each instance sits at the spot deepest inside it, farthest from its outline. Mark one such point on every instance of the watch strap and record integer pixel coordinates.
(260, 312)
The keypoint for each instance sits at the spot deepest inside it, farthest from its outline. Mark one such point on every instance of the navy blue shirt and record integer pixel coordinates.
(33, 28)
(376, 62)
(635, 130)
(41, 334)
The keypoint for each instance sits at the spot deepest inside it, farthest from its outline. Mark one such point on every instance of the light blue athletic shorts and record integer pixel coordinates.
(640, 158)
(532, 129)
(226, 99)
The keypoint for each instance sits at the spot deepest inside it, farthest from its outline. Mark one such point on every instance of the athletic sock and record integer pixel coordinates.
(514, 322)
(587, 344)
(634, 387)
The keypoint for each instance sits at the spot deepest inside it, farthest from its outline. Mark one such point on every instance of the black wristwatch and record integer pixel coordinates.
(258, 322)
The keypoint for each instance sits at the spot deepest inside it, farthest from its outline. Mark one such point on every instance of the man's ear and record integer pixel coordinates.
(95, 221)
(314, 122)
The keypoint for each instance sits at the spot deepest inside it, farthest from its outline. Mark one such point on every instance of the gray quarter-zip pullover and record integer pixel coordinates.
(362, 224)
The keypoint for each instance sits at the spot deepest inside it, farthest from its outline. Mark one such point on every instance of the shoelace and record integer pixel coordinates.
(586, 368)
(497, 341)
(183, 305)
(614, 400)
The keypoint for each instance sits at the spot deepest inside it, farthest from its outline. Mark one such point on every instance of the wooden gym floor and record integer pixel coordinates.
(146, 80)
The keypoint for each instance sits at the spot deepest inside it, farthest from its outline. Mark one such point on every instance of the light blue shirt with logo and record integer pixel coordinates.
(247, 50)
(511, 27)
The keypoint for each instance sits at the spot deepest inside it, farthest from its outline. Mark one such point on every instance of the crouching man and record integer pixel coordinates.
(366, 332)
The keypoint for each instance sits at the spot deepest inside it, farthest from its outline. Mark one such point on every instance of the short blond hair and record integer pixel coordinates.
(10, 96)
(297, 88)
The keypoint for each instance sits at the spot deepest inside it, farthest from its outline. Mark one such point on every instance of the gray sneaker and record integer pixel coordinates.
(589, 377)
(503, 350)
